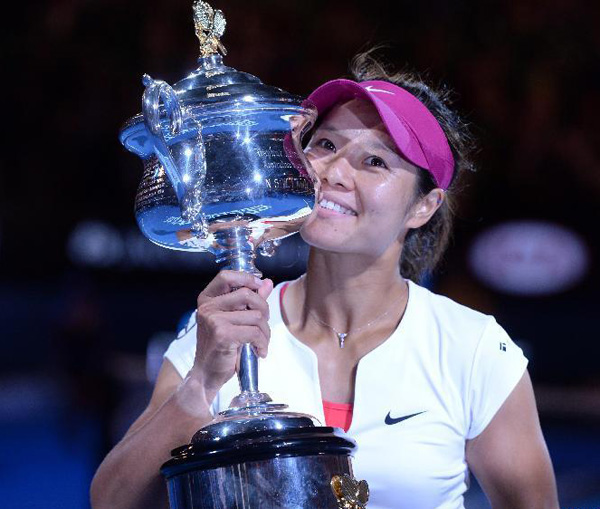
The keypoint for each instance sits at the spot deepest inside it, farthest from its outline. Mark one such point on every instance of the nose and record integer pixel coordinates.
(336, 171)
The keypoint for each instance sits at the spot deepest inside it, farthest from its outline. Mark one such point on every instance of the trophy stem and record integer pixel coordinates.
(248, 373)
(236, 252)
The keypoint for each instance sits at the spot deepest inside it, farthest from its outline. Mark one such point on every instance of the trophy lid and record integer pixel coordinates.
(213, 89)
(215, 83)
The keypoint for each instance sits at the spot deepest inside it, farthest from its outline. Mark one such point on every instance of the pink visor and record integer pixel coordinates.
(415, 131)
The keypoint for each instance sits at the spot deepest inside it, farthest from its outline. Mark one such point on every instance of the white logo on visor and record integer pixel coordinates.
(371, 89)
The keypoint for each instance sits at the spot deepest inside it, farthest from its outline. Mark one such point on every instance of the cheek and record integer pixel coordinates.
(390, 208)
(387, 200)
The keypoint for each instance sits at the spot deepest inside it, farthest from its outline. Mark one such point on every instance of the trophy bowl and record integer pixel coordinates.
(221, 153)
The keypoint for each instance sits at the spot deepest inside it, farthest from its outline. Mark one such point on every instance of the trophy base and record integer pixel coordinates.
(271, 469)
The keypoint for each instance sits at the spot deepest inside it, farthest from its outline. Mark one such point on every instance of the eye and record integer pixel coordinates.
(325, 144)
(375, 161)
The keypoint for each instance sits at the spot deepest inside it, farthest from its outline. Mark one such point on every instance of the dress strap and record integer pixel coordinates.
(283, 289)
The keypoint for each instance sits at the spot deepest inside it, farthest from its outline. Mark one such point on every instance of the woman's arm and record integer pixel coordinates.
(129, 476)
(510, 458)
(232, 310)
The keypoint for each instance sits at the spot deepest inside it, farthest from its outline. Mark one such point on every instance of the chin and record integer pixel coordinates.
(324, 241)
(370, 246)
(328, 241)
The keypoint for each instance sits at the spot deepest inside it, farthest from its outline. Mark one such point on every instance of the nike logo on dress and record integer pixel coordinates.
(389, 420)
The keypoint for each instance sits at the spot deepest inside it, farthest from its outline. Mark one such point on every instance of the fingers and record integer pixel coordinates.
(232, 310)
(266, 288)
(228, 280)
(254, 336)
(225, 332)
(251, 318)
(238, 300)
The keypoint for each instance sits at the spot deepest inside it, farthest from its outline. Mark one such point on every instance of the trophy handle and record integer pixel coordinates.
(350, 493)
(187, 177)
(155, 91)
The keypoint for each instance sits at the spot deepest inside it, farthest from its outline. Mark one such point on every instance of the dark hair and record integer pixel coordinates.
(425, 246)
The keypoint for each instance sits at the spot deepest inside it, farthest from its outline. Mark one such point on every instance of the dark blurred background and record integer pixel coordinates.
(88, 305)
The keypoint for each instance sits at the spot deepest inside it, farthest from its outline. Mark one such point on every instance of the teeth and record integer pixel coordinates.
(326, 204)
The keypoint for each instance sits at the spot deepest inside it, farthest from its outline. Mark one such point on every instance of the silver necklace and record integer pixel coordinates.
(342, 335)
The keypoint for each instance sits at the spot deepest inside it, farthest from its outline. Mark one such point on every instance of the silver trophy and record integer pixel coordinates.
(224, 172)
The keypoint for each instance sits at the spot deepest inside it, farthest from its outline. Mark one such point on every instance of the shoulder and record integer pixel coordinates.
(450, 319)
(467, 339)
(471, 352)
(442, 305)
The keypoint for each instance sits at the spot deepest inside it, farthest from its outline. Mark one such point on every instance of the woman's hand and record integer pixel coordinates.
(232, 310)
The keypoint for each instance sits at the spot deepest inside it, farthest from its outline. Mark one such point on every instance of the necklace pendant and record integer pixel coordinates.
(341, 337)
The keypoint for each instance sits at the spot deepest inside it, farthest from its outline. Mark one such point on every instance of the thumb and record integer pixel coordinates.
(266, 288)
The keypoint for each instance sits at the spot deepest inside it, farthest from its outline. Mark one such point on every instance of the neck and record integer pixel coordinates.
(348, 292)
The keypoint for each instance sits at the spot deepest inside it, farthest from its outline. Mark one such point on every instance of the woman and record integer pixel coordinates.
(428, 388)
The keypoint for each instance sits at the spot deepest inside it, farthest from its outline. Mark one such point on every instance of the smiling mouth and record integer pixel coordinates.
(330, 205)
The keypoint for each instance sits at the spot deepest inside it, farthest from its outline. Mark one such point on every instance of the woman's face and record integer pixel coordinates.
(366, 201)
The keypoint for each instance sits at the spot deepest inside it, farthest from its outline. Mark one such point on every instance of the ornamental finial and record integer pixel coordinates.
(210, 26)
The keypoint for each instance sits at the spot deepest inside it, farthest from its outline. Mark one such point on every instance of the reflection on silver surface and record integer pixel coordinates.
(291, 483)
